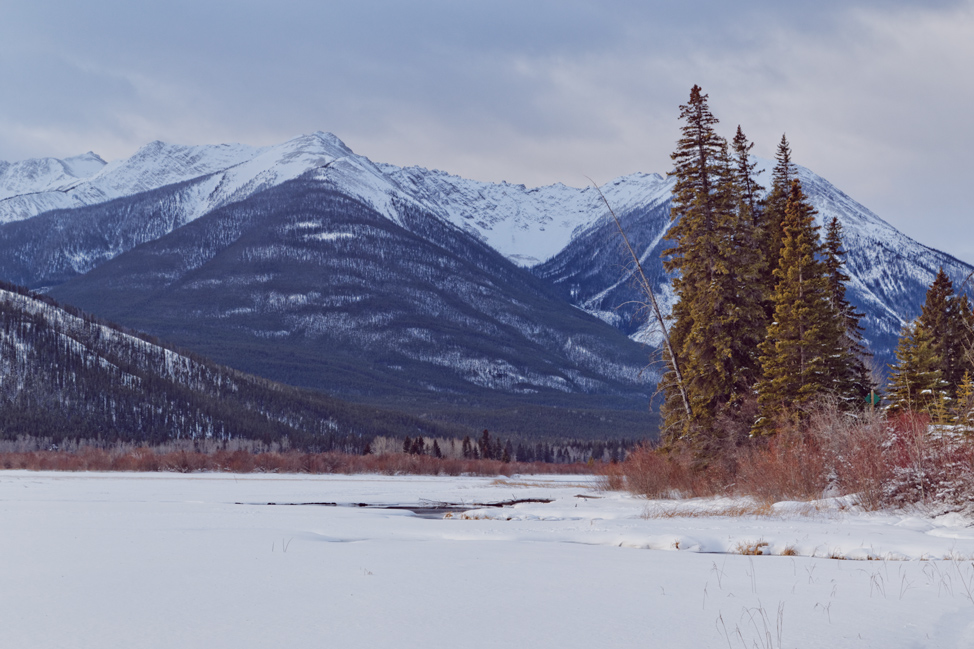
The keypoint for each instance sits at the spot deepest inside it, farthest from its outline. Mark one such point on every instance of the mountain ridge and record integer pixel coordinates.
(562, 234)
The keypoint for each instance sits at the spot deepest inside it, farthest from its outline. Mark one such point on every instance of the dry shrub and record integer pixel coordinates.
(853, 449)
(929, 464)
(188, 456)
(611, 477)
(789, 466)
(655, 473)
(885, 462)
(239, 461)
(752, 548)
(183, 462)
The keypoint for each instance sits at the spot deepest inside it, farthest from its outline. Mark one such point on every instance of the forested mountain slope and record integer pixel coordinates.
(64, 374)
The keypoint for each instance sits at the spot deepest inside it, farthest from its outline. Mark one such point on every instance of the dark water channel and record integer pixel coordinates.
(423, 509)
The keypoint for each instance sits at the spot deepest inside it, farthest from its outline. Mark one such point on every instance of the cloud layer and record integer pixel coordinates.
(873, 95)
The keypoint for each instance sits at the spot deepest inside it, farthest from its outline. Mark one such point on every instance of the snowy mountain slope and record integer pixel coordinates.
(526, 225)
(308, 286)
(161, 188)
(154, 165)
(31, 187)
(230, 172)
(44, 175)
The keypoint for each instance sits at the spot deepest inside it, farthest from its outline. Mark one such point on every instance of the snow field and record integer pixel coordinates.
(164, 560)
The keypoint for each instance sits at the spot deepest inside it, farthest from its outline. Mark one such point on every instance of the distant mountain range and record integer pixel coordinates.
(311, 265)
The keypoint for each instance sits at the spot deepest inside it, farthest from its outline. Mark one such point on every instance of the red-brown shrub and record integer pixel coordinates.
(789, 466)
(183, 457)
(883, 462)
(671, 474)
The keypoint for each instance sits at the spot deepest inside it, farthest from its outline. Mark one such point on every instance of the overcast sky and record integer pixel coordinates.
(874, 95)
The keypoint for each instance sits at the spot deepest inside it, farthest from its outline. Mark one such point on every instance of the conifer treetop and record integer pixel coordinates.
(745, 176)
(784, 171)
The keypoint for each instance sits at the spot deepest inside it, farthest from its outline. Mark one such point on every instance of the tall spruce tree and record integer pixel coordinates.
(805, 332)
(964, 404)
(849, 369)
(944, 317)
(718, 316)
(965, 324)
(694, 211)
(915, 383)
(773, 218)
(744, 171)
(745, 323)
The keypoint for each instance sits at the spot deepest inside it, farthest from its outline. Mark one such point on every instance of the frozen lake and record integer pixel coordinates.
(200, 560)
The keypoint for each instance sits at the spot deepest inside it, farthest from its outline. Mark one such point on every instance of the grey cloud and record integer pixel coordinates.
(529, 92)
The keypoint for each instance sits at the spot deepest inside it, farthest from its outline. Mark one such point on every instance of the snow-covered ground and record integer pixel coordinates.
(160, 560)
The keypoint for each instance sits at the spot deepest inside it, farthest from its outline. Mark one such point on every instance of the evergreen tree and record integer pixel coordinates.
(915, 382)
(965, 325)
(718, 319)
(964, 404)
(805, 332)
(773, 218)
(419, 446)
(849, 369)
(744, 170)
(485, 446)
(944, 316)
(693, 210)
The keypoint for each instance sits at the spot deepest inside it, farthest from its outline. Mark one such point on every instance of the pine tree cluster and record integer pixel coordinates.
(935, 359)
(761, 329)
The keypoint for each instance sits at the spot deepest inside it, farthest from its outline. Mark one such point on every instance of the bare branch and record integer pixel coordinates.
(654, 305)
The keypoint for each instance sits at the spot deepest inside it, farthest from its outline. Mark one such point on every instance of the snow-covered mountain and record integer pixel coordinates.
(323, 291)
(64, 220)
(225, 173)
(526, 225)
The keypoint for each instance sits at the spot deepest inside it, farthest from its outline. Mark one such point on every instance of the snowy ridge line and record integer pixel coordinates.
(529, 226)
(75, 330)
(526, 225)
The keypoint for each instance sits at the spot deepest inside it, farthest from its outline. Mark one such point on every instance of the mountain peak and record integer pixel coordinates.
(319, 142)
(331, 139)
(85, 165)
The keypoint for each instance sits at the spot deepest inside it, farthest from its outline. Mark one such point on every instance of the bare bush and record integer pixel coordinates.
(789, 466)
(676, 473)
(884, 462)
